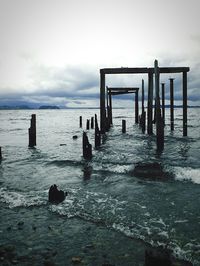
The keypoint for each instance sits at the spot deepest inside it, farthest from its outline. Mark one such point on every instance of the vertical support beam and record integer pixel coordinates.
(142, 96)
(92, 122)
(136, 107)
(184, 104)
(88, 124)
(172, 103)
(87, 147)
(32, 131)
(97, 133)
(80, 121)
(163, 102)
(123, 126)
(102, 103)
(150, 103)
(110, 104)
(0, 154)
(159, 120)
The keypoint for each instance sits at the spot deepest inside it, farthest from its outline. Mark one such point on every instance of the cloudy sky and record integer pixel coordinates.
(51, 50)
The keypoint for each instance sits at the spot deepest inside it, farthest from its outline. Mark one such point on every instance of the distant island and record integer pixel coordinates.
(49, 107)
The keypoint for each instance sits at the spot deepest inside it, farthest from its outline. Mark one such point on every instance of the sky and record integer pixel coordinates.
(51, 50)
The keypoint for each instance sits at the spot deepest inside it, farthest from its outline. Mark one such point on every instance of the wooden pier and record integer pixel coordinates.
(153, 86)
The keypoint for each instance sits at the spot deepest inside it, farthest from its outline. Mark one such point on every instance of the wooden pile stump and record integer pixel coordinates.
(32, 131)
(97, 134)
(87, 147)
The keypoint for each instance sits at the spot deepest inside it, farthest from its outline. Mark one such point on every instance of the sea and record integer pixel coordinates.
(109, 214)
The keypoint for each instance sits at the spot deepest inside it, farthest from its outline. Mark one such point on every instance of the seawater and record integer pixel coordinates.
(104, 190)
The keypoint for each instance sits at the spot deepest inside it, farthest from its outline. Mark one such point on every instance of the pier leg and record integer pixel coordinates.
(97, 133)
(184, 104)
(110, 104)
(32, 131)
(0, 154)
(171, 104)
(123, 126)
(88, 124)
(92, 122)
(102, 103)
(87, 147)
(159, 120)
(163, 102)
(142, 96)
(80, 121)
(150, 103)
(136, 107)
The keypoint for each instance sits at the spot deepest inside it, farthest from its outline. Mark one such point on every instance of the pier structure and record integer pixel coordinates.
(112, 91)
(153, 89)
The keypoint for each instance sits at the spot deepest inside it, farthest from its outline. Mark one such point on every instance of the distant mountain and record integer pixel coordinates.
(49, 107)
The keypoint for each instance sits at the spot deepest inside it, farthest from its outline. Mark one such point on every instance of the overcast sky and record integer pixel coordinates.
(51, 50)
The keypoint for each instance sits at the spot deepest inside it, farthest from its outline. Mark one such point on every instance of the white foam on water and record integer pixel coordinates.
(187, 173)
(21, 199)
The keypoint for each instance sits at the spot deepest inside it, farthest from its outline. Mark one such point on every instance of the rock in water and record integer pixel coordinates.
(150, 170)
(55, 195)
(157, 257)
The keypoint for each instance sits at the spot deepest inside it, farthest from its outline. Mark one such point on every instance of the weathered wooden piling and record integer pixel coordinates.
(92, 122)
(88, 124)
(97, 134)
(184, 103)
(143, 122)
(163, 102)
(142, 96)
(32, 131)
(87, 147)
(0, 154)
(123, 126)
(80, 121)
(154, 119)
(150, 103)
(102, 102)
(171, 104)
(110, 105)
(136, 107)
(143, 115)
(159, 120)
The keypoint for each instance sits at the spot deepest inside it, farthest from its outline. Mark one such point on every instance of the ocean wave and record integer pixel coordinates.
(21, 199)
(187, 174)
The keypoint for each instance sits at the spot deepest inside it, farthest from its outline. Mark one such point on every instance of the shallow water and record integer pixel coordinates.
(104, 190)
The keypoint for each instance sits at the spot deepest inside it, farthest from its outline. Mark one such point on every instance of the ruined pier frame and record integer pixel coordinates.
(150, 72)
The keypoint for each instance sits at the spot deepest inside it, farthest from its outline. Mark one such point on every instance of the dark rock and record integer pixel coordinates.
(75, 137)
(150, 170)
(55, 195)
(158, 257)
(49, 263)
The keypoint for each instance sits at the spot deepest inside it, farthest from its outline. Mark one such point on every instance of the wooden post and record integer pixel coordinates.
(159, 120)
(92, 122)
(150, 103)
(102, 103)
(172, 103)
(110, 104)
(97, 134)
(88, 124)
(123, 126)
(80, 121)
(142, 96)
(154, 119)
(143, 122)
(136, 107)
(87, 147)
(163, 102)
(184, 104)
(32, 131)
(0, 154)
